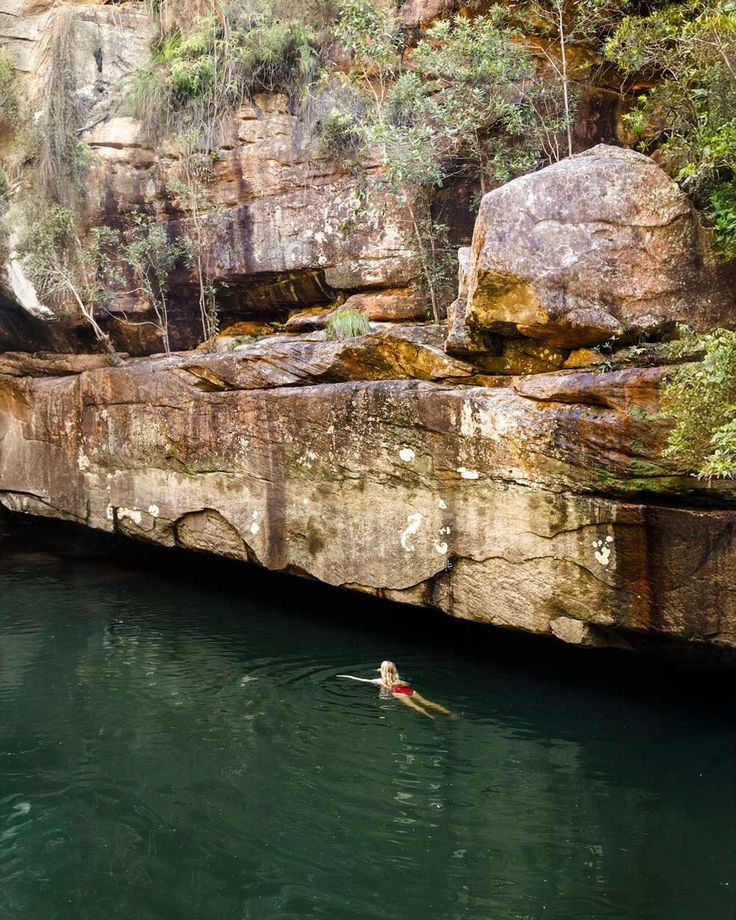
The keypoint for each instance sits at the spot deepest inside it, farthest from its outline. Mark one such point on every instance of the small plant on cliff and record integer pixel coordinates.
(61, 266)
(701, 401)
(62, 160)
(193, 175)
(200, 72)
(346, 324)
(721, 212)
(151, 257)
(9, 93)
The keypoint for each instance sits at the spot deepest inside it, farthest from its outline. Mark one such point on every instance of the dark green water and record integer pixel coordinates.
(179, 747)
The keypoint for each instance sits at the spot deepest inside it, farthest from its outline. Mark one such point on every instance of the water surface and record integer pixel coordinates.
(177, 746)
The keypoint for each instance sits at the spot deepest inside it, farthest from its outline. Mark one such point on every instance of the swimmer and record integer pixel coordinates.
(390, 682)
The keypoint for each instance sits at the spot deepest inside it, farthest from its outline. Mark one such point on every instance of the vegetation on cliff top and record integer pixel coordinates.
(701, 402)
(685, 55)
(197, 75)
(482, 97)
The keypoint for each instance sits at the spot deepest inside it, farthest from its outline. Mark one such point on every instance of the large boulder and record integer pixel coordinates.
(600, 245)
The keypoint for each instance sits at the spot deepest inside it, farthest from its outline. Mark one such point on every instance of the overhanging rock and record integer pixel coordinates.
(482, 501)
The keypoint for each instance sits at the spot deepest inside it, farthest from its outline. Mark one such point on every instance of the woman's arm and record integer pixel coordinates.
(364, 680)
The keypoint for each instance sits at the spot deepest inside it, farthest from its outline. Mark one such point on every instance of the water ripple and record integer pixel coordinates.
(169, 755)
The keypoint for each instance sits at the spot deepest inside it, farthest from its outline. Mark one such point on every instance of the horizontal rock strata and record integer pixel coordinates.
(484, 501)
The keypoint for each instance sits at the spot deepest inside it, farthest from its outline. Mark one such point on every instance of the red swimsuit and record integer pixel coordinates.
(401, 688)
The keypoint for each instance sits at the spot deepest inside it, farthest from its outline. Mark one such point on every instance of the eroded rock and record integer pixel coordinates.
(484, 502)
(274, 221)
(598, 246)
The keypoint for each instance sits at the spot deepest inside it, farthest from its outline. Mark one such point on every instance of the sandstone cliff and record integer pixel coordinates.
(494, 467)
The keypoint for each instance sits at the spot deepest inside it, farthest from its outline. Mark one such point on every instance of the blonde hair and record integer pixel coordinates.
(389, 674)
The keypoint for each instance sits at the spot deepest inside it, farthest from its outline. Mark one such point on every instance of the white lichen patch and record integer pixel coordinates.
(133, 514)
(478, 421)
(441, 503)
(468, 474)
(414, 522)
(110, 513)
(446, 529)
(306, 459)
(407, 454)
(602, 550)
(154, 510)
(254, 526)
(83, 461)
(441, 548)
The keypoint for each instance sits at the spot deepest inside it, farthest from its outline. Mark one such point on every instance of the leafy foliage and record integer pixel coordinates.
(688, 52)
(721, 211)
(461, 100)
(9, 93)
(199, 74)
(190, 183)
(554, 26)
(61, 265)
(701, 401)
(151, 257)
(464, 87)
(347, 324)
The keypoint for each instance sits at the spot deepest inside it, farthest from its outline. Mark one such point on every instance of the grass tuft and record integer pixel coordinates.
(346, 324)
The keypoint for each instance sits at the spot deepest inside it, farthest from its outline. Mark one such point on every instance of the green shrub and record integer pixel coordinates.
(9, 93)
(197, 76)
(721, 211)
(701, 401)
(687, 52)
(149, 97)
(465, 100)
(340, 134)
(64, 265)
(347, 324)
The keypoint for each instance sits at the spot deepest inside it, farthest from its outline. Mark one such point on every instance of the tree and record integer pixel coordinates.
(193, 175)
(569, 22)
(92, 271)
(459, 100)
(61, 266)
(151, 257)
(687, 52)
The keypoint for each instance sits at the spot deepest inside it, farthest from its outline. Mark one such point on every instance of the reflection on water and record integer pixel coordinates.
(178, 749)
